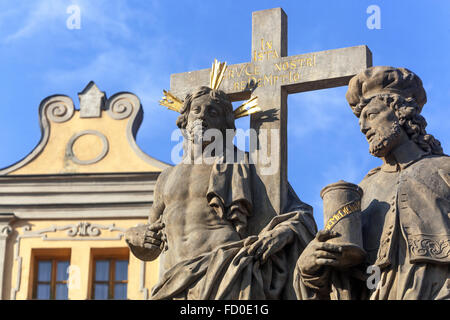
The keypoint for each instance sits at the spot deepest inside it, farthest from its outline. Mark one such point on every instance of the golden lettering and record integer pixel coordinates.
(275, 79)
(230, 74)
(346, 210)
(251, 70)
(258, 56)
(266, 44)
(259, 81)
(294, 77)
(246, 70)
(242, 69)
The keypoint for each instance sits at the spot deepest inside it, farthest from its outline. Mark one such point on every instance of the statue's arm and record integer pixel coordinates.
(146, 241)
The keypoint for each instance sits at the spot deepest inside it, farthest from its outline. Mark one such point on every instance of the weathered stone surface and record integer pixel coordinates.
(271, 75)
(92, 101)
(405, 206)
(211, 222)
(231, 230)
(5, 231)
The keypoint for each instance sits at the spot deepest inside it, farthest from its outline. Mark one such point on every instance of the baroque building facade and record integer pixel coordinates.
(65, 207)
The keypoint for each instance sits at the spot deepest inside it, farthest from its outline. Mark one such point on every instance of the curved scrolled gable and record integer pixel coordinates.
(98, 138)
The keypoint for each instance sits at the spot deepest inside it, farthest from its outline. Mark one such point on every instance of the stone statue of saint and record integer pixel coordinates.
(202, 222)
(405, 206)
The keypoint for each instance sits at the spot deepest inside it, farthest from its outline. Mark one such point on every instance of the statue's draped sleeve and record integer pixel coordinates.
(229, 193)
(224, 273)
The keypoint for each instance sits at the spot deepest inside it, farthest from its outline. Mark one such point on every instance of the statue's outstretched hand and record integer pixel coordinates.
(319, 253)
(154, 236)
(147, 237)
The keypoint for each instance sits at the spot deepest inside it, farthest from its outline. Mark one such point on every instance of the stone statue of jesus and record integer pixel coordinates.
(199, 224)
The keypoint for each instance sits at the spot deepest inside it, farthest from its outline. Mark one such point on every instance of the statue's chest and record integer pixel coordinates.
(189, 181)
(378, 201)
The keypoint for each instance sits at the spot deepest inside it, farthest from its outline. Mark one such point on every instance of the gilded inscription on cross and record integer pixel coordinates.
(272, 75)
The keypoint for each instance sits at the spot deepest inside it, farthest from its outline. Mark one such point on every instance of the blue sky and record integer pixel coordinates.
(135, 45)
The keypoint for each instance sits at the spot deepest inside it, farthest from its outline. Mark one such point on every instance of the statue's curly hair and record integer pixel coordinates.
(409, 118)
(219, 96)
(400, 89)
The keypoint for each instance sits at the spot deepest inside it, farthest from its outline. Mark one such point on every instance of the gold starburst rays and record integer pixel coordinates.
(171, 102)
(216, 76)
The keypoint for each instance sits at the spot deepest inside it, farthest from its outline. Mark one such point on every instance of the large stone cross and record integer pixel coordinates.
(272, 75)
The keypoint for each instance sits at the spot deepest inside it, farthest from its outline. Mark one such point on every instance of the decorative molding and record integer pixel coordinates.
(142, 287)
(60, 108)
(129, 212)
(426, 246)
(71, 155)
(84, 230)
(121, 106)
(5, 231)
(80, 231)
(78, 196)
(57, 108)
(18, 258)
(91, 101)
(122, 103)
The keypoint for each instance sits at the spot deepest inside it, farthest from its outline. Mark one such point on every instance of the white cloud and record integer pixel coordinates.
(37, 17)
(39, 14)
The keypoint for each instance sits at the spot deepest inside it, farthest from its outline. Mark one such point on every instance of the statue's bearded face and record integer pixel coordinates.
(204, 114)
(380, 126)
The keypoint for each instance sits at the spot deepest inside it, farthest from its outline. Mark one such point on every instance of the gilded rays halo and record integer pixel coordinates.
(171, 102)
(216, 76)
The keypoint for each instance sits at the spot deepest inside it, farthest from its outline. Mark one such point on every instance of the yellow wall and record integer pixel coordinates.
(81, 255)
(51, 157)
(120, 157)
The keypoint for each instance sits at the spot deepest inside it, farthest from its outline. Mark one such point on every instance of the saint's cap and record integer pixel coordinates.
(385, 80)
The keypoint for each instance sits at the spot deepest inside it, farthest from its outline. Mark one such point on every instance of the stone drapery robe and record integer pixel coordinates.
(221, 273)
(406, 233)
